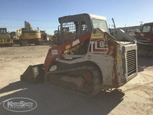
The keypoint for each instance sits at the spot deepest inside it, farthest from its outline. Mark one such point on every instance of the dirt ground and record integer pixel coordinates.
(136, 97)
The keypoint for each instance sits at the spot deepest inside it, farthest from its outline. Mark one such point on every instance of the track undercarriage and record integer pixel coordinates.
(145, 49)
(83, 80)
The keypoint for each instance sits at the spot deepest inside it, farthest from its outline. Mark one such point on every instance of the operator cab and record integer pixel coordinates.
(147, 28)
(75, 26)
(3, 31)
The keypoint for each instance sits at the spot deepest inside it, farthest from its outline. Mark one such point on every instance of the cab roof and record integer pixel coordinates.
(150, 23)
(97, 17)
(2, 28)
(76, 17)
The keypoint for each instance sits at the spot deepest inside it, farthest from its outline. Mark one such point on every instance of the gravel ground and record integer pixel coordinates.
(136, 97)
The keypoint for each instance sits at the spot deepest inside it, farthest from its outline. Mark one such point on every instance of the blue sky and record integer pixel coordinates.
(44, 13)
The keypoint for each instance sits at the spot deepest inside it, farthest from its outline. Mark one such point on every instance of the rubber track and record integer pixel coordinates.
(145, 50)
(97, 79)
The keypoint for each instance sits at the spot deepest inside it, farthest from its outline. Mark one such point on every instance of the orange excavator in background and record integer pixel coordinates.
(85, 58)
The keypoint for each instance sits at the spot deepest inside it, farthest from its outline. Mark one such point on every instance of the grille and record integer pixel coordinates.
(131, 62)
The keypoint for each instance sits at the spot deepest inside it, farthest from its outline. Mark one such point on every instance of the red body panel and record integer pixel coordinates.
(145, 36)
(149, 37)
(61, 48)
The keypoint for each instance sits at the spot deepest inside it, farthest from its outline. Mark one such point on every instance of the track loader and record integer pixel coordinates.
(86, 58)
(145, 40)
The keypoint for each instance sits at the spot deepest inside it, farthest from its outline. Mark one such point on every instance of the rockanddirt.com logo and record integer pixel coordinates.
(19, 104)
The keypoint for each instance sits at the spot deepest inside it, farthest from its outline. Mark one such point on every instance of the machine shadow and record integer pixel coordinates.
(52, 101)
(144, 63)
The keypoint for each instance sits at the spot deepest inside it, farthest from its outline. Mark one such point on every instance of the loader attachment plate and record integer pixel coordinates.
(33, 74)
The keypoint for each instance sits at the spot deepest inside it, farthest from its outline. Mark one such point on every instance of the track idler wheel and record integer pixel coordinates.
(88, 81)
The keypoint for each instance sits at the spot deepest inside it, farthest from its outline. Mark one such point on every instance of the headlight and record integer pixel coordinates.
(53, 68)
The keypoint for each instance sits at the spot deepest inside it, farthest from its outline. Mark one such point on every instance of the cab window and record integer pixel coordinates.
(100, 24)
(146, 29)
(3, 31)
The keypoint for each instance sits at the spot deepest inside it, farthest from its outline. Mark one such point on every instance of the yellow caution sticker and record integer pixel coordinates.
(67, 47)
(97, 35)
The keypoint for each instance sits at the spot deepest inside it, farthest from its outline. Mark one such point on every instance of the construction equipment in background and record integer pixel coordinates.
(55, 36)
(128, 30)
(5, 39)
(117, 34)
(113, 23)
(86, 58)
(131, 32)
(15, 37)
(144, 38)
(27, 35)
(44, 36)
